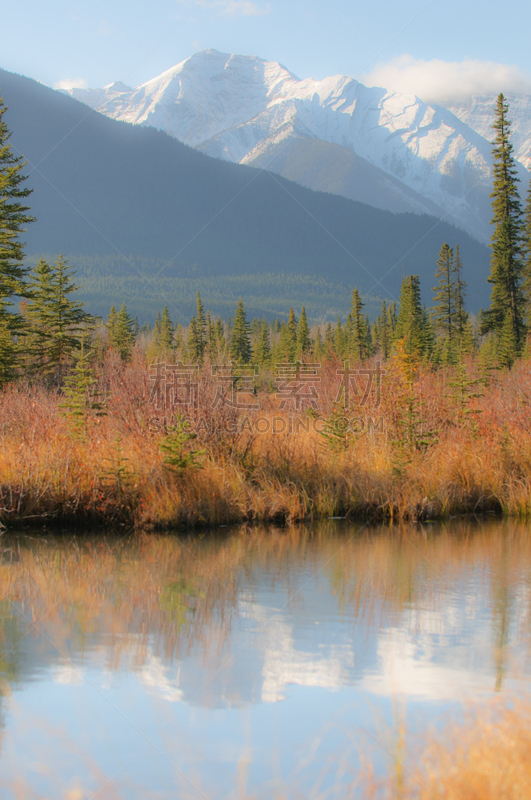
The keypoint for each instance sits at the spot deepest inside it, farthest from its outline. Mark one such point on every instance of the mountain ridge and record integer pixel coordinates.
(245, 110)
(103, 187)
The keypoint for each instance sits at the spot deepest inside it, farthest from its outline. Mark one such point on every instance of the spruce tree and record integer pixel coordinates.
(393, 320)
(57, 321)
(81, 400)
(166, 331)
(194, 350)
(111, 325)
(359, 334)
(340, 339)
(461, 316)
(444, 311)
(201, 328)
(122, 338)
(220, 336)
(13, 219)
(240, 344)
(383, 327)
(262, 348)
(411, 321)
(303, 333)
(507, 298)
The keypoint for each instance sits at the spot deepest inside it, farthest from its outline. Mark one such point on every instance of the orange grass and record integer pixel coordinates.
(488, 757)
(474, 462)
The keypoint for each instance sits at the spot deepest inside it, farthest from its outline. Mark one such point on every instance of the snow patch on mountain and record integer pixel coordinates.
(478, 113)
(240, 108)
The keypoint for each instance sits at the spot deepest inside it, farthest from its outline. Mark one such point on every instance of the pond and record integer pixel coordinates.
(250, 662)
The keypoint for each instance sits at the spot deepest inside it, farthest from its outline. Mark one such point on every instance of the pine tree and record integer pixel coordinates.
(292, 325)
(411, 321)
(461, 316)
(262, 348)
(303, 333)
(111, 324)
(383, 327)
(359, 334)
(57, 322)
(393, 320)
(444, 311)
(13, 219)
(81, 400)
(193, 343)
(240, 344)
(221, 342)
(166, 331)
(340, 339)
(211, 337)
(507, 297)
(201, 328)
(122, 336)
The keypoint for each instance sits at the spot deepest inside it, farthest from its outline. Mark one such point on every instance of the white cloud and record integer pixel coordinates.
(74, 83)
(437, 81)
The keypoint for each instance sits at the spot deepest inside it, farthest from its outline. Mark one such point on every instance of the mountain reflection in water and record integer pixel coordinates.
(262, 660)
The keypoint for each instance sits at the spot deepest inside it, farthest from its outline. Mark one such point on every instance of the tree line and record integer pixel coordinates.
(50, 331)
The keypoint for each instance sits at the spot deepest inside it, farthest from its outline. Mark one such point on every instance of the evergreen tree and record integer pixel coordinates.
(111, 325)
(13, 219)
(220, 336)
(166, 331)
(262, 349)
(56, 321)
(444, 311)
(240, 345)
(201, 328)
(383, 329)
(507, 297)
(122, 337)
(359, 334)
(303, 333)
(340, 339)
(328, 344)
(292, 326)
(393, 320)
(411, 321)
(193, 343)
(287, 346)
(81, 400)
(461, 316)
(526, 255)
(211, 337)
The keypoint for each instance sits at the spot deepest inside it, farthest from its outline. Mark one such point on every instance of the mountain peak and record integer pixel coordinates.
(245, 109)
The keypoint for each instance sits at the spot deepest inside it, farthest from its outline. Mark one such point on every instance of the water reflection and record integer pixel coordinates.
(263, 642)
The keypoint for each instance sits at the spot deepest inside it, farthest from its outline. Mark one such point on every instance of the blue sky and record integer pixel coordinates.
(95, 43)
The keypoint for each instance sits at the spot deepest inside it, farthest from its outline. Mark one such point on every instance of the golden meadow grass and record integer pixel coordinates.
(459, 458)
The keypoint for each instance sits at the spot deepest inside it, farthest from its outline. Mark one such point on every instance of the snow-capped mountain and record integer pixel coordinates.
(477, 112)
(387, 149)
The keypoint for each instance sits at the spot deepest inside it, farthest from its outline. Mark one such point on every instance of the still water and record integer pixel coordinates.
(256, 663)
